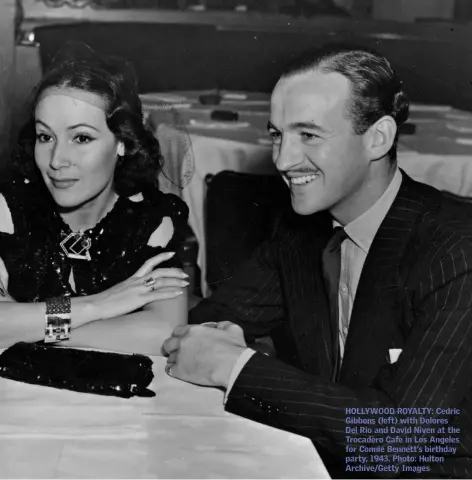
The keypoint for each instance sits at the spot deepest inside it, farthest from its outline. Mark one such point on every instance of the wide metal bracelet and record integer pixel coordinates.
(57, 319)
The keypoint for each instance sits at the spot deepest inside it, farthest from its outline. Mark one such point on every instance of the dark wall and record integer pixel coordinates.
(173, 57)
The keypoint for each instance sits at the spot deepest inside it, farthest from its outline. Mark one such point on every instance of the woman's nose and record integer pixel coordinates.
(60, 156)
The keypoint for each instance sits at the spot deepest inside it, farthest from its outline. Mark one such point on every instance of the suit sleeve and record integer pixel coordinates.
(433, 371)
(252, 298)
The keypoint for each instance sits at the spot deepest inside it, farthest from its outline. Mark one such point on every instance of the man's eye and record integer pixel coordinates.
(307, 136)
(275, 136)
(83, 138)
(43, 137)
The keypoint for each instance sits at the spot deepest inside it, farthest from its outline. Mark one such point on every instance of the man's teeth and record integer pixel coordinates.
(302, 180)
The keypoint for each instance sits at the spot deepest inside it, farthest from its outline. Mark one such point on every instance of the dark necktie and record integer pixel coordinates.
(332, 272)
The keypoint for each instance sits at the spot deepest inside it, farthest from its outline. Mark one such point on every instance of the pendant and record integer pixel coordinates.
(77, 245)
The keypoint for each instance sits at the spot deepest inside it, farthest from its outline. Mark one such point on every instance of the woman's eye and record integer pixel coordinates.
(43, 137)
(83, 138)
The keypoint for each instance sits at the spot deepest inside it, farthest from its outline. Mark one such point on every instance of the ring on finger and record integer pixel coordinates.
(150, 283)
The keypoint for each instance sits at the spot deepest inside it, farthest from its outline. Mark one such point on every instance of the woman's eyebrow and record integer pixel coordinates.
(72, 127)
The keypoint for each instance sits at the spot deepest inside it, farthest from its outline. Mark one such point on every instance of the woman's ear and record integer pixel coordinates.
(121, 149)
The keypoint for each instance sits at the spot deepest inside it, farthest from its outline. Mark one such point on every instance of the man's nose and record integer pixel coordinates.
(60, 156)
(287, 155)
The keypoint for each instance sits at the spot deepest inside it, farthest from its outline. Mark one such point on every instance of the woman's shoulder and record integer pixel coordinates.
(23, 204)
(158, 205)
(162, 218)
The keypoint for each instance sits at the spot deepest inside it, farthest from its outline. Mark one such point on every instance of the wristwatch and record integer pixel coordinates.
(58, 319)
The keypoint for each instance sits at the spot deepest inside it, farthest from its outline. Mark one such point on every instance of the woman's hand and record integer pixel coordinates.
(145, 286)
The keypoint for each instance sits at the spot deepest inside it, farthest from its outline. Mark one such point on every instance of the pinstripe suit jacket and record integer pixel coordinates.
(414, 294)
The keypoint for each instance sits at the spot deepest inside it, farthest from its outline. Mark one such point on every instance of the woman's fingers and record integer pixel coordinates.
(168, 272)
(164, 295)
(152, 263)
(160, 283)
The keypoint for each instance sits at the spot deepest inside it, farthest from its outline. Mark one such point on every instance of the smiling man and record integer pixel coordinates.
(369, 277)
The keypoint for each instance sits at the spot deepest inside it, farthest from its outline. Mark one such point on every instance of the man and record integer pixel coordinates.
(397, 331)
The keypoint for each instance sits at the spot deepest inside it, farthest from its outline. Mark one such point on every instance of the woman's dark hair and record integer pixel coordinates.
(376, 88)
(78, 66)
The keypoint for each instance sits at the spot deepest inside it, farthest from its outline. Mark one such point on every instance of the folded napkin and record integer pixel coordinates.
(234, 96)
(421, 107)
(84, 371)
(212, 124)
(163, 97)
(459, 128)
(165, 106)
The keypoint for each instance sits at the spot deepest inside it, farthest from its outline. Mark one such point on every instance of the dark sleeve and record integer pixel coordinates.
(434, 370)
(161, 206)
(252, 298)
(178, 212)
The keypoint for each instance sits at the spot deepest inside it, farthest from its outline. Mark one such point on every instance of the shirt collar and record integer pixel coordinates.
(363, 229)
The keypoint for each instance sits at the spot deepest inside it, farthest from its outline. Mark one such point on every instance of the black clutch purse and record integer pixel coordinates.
(84, 371)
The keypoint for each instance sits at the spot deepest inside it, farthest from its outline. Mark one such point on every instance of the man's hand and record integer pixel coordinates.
(204, 355)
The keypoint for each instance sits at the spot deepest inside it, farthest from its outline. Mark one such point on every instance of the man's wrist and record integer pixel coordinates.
(226, 362)
(237, 369)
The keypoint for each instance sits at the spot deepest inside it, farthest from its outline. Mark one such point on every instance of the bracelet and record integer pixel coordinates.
(58, 319)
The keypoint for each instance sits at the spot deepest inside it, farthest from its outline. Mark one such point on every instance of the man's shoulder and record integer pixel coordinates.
(447, 226)
(437, 220)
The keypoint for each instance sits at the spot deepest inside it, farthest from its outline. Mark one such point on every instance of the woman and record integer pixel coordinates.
(83, 224)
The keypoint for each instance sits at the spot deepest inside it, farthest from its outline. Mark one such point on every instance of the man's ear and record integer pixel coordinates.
(380, 136)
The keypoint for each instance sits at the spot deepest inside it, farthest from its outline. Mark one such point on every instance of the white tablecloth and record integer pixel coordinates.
(439, 153)
(182, 432)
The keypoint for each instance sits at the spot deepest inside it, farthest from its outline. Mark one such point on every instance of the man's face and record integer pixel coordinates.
(324, 163)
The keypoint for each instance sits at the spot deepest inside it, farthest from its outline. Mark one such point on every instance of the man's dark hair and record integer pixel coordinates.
(376, 88)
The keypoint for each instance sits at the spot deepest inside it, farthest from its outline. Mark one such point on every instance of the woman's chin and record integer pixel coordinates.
(66, 202)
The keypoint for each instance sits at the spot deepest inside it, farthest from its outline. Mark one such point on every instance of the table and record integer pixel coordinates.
(182, 432)
(439, 153)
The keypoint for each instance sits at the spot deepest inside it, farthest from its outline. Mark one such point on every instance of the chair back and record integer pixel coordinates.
(240, 211)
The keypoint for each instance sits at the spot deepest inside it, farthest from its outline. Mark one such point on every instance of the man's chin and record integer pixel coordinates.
(305, 208)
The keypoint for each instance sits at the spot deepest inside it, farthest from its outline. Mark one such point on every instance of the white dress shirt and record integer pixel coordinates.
(361, 233)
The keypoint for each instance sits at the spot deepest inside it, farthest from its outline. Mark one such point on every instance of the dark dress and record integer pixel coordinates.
(37, 266)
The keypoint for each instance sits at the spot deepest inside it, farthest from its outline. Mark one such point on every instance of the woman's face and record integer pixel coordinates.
(75, 150)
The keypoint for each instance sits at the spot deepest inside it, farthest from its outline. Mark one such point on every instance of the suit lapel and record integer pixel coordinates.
(376, 309)
(309, 308)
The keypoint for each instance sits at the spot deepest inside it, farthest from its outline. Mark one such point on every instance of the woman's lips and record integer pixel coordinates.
(63, 184)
